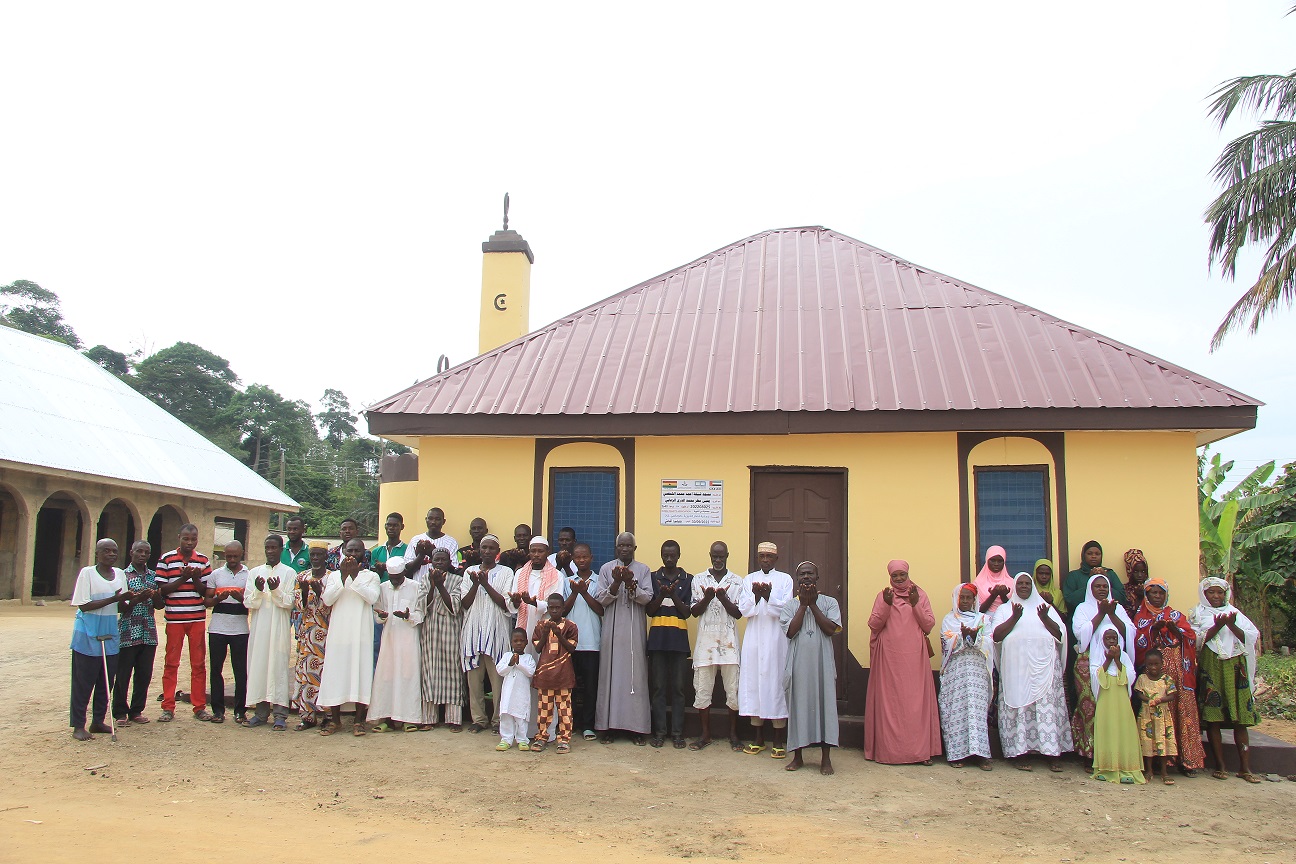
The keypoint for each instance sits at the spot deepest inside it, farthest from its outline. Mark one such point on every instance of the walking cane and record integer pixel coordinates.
(103, 652)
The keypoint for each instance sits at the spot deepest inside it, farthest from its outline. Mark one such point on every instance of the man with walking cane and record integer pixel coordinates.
(95, 637)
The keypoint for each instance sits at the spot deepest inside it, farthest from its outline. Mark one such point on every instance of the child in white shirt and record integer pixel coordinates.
(515, 670)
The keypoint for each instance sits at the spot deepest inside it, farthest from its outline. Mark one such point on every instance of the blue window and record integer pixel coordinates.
(586, 499)
(1012, 511)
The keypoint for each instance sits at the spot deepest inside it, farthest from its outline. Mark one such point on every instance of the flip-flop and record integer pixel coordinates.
(753, 749)
(700, 744)
(1024, 766)
(986, 765)
(1168, 782)
(1249, 777)
(1220, 774)
(778, 752)
(327, 730)
(735, 745)
(1055, 767)
(139, 719)
(123, 723)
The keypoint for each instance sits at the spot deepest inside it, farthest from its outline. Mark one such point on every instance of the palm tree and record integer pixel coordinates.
(1258, 204)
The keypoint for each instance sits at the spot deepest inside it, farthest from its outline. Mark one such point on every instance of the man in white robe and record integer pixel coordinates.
(397, 695)
(348, 654)
(269, 599)
(764, 650)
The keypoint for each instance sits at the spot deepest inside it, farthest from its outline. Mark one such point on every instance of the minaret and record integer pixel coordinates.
(506, 287)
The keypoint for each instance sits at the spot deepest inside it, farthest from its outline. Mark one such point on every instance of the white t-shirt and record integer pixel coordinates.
(229, 617)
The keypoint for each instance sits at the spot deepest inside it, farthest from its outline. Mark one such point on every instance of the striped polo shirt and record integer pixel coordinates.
(185, 606)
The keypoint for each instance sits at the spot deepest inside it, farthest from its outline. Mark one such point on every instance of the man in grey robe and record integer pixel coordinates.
(810, 675)
(624, 587)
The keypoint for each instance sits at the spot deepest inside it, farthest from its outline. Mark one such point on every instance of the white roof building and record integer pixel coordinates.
(84, 456)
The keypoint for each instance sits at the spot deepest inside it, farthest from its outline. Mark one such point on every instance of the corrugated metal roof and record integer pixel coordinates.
(806, 320)
(60, 410)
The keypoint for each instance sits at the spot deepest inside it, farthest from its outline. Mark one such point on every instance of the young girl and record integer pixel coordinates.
(1156, 720)
(515, 671)
(1115, 738)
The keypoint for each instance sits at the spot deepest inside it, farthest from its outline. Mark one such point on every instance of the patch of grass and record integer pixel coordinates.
(1277, 698)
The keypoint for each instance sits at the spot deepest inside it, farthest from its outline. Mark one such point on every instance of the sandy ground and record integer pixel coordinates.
(194, 789)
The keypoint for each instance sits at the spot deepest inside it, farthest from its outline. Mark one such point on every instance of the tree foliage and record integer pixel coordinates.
(194, 385)
(1247, 534)
(28, 307)
(114, 361)
(336, 419)
(1258, 204)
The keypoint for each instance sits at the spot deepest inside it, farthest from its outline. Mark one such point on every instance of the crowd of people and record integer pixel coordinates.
(413, 633)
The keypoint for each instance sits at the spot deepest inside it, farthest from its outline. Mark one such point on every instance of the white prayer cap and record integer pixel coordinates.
(395, 566)
(540, 541)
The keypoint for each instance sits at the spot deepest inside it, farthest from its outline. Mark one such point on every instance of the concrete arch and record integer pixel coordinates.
(120, 520)
(163, 528)
(15, 538)
(63, 543)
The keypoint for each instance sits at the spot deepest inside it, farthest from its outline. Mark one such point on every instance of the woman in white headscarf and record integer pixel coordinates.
(1030, 652)
(1098, 613)
(966, 646)
(1226, 657)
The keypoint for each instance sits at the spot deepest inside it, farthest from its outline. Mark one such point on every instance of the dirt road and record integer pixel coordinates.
(198, 791)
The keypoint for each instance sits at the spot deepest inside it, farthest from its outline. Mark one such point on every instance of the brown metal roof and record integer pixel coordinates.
(803, 320)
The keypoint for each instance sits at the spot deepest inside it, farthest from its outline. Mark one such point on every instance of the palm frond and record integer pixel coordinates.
(1276, 285)
(1254, 94)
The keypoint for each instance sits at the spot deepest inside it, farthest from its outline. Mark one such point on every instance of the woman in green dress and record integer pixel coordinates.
(1226, 656)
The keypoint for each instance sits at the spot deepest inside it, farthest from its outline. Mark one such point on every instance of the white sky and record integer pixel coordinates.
(283, 182)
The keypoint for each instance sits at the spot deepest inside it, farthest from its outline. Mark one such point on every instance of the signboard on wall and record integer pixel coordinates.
(692, 502)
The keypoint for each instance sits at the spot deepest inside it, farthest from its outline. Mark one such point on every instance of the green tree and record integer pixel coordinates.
(1258, 204)
(194, 385)
(1235, 528)
(28, 307)
(114, 361)
(336, 419)
(268, 423)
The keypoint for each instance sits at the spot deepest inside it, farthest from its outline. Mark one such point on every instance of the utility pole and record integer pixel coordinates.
(281, 484)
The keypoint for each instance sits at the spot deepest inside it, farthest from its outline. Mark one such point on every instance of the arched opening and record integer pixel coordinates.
(163, 530)
(60, 540)
(118, 522)
(13, 536)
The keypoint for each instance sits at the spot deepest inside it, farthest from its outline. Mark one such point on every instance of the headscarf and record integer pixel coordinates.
(1224, 643)
(1054, 587)
(986, 579)
(1132, 557)
(1148, 616)
(1089, 638)
(1133, 593)
(1098, 658)
(894, 566)
(952, 639)
(1029, 656)
(550, 580)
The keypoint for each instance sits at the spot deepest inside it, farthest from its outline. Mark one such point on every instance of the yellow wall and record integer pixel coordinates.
(1137, 490)
(1123, 489)
(507, 274)
(402, 498)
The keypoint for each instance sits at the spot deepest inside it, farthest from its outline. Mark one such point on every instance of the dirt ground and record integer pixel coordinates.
(201, 791)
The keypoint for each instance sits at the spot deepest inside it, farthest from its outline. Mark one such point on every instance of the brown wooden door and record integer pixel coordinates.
(804, 513)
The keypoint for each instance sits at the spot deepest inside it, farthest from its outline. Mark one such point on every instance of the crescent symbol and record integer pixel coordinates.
(499, 302)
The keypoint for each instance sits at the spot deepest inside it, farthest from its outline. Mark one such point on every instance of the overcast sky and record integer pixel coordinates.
(290, 184)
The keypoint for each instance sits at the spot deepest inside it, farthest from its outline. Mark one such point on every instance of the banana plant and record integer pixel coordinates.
(1233, 530)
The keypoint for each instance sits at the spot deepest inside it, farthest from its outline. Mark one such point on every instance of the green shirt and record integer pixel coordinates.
(379, 555)
(299, 562)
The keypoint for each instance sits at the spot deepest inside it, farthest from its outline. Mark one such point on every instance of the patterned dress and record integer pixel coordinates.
(1225, 690)
(440, 638)
(312, 633)
(1041, 726)
(1178, 646)
(965, 692)
(1082, 718)
(1156, 722)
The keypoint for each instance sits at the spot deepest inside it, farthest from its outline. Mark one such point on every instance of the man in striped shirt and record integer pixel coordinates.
(180, 578)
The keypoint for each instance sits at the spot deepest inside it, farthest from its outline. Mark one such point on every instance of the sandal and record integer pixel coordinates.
(304, 725)
(700, 744)
(563, 747)
(657, 741)
(987, 765)
(735, 745)
(927, 763)
(216, 718)
(1249, 777)
(411, 727)
(524, 745)
(253, 722)
(279, 726)
(679, 743)
(1055, 766)
(753, 748)
(122, 722)
(379, 728)
(1168, 782)
(358, 730)
(1220, 774)
(139, 719)
(455, 727)
(327, 729)
(640, 740)
(167, 717)
(956, 764)
(778, 752)
(537, 746)
(204, 716)
(502, 746)
(589, 735)
(1023, 765)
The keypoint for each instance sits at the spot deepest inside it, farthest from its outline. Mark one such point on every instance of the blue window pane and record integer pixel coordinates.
(1012, 512)
(586, 501)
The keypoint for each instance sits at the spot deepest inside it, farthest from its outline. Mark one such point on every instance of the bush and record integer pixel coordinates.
(1277, 697)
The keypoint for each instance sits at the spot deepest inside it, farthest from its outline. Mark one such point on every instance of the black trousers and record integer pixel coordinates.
(88, 679)
(586, 665)
(134, 662)
(668, 677)
(217, 645)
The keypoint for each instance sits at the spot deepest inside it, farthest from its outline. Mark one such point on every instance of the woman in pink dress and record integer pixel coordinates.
(901, 717)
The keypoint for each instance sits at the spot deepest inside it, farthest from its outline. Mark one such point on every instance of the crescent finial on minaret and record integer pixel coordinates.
(506, 203)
